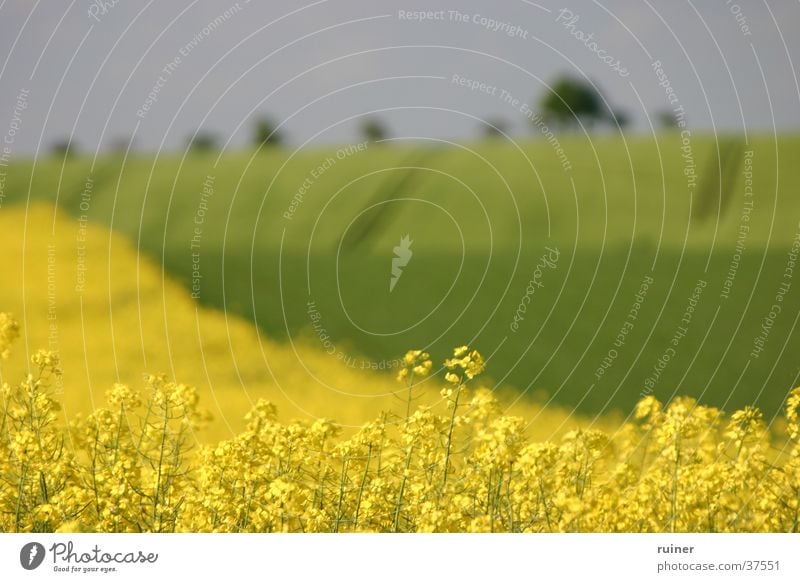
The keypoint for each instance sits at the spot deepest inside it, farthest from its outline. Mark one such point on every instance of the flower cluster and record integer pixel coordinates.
(9, 331)
(463, 366)
(459, 466)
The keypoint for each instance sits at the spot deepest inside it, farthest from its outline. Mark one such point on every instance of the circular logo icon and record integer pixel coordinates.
(32, 555)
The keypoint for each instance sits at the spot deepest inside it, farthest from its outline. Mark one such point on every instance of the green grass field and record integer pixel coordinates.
(303, 244)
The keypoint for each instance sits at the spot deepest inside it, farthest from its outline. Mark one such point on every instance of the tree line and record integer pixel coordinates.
(571, 104)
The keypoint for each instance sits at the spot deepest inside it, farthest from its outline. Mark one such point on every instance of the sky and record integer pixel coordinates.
(103, 72)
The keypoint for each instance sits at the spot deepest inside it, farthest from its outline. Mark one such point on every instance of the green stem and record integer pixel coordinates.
(399, 505)
(450, 438)
(156, 493)
(362, 485)
(342, 480)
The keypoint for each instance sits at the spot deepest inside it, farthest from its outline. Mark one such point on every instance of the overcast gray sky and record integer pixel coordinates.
(85, 68)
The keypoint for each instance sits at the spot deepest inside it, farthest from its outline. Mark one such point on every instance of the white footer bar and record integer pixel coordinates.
(370, 557)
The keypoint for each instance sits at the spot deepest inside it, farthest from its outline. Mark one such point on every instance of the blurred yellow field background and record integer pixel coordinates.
(112, 316)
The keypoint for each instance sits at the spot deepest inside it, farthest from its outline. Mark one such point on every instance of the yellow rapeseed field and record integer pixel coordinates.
(128, 467)
(113, 316)
(439, 452)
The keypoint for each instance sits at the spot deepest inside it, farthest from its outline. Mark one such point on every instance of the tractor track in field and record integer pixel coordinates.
(392, 189)
(716, 189)
(100, 178)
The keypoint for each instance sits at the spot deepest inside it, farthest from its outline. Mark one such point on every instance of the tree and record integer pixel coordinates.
(620, 119)
(494, 128)
(666, 119)
(203, 142)
(373, 130)
(63, 148)
(266, 133)
(120, 145)
(572, 100)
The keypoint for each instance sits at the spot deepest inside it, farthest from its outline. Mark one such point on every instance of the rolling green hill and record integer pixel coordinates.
(645, 265)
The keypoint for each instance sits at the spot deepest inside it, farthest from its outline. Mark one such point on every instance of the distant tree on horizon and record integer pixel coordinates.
(266, 133)
(120, 145)
(373, 129)
(666, 119)
(572, 100)
(494, 128)
(203, 142)
(620, 119)
(64, 148)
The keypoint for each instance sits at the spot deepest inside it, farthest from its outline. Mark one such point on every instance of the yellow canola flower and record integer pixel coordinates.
(9, 332)
(463, 465)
